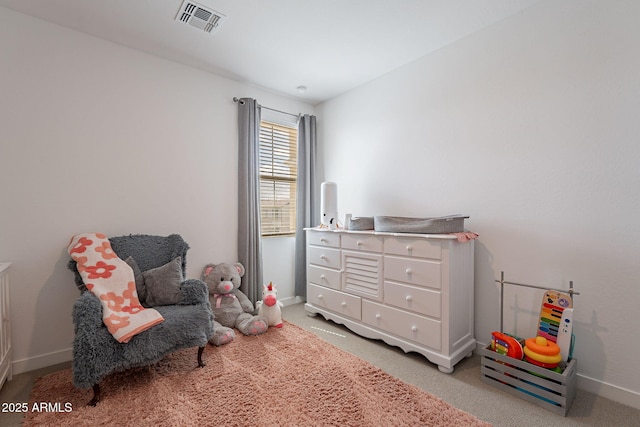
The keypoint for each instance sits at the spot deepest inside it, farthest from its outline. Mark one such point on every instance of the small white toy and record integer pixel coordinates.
(270, 308)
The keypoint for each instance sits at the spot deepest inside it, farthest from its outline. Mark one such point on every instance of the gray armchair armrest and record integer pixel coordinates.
(194, 291)
(89, 339)
(87, 314)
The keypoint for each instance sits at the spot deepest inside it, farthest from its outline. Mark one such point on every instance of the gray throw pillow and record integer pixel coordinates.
(139, 278)
(163, 283)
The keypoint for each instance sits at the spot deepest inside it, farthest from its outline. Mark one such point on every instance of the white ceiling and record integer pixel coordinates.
(329, 46)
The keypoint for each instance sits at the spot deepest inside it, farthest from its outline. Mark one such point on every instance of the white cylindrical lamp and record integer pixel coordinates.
(329, 203)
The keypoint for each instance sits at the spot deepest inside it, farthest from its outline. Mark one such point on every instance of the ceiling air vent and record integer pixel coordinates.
(199, 16)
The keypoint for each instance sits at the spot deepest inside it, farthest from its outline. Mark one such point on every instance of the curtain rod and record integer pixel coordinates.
(235, 99)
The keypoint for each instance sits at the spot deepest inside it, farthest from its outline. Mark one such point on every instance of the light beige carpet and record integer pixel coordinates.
(286, 377)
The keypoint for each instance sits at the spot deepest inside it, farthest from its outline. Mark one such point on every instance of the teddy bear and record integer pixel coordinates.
(231, 307)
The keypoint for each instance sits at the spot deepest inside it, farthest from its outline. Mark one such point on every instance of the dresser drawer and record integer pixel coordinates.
(324, 276)
(324, 257)
(414, 271)
(410, 326)
(323, 238)
(360, 242)
(339, 302)
(419, 300)
(421, 248)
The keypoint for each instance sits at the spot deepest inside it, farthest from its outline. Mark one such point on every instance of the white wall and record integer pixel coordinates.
(98, 137)
(531, 128)
(278, 259)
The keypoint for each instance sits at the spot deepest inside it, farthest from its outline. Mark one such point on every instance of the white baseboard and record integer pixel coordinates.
(292, 300)
(600, 388)
(41, 361)
(609, 391)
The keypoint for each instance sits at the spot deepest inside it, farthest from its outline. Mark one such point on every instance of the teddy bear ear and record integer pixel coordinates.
(240, 268)
(208, 269)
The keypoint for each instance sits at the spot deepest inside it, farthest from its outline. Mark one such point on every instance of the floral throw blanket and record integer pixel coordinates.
(111, 279)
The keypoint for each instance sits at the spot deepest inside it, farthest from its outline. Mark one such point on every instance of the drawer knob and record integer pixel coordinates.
(323, 257)
(408, 271)
(414, 328)
(323, 240)
(320, 296)
(359, 243)
(409, 248)
(323, 277)
(409, 298)
(378, 316)
(344, 304)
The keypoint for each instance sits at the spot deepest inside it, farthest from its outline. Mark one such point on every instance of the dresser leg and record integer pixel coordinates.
(445, 370)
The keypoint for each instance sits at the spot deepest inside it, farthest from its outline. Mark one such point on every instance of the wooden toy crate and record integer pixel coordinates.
(540, 386)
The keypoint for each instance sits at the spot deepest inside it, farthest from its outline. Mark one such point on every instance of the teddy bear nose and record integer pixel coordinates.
(227, 287)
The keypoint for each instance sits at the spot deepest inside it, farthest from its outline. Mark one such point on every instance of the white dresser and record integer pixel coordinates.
(5, 325)
(414, 291)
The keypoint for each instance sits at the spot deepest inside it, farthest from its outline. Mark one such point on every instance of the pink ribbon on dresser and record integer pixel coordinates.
(466, 236)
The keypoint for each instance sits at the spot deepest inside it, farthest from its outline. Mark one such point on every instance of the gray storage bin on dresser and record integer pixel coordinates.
(439, 225)
(360, 223)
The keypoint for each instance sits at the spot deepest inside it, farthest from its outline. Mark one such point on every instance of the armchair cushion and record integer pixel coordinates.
(162, 284)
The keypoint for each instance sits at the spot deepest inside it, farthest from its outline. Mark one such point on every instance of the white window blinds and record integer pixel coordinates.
(278, 174)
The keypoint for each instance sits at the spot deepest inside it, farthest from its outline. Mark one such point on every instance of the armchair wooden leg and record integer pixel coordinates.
(96, 395)
(200, 362)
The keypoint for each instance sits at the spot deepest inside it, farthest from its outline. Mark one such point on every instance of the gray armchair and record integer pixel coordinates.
(189, 323)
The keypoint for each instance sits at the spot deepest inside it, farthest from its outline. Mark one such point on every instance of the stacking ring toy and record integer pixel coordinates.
(542, 365)
(541, 345)
(542, 352)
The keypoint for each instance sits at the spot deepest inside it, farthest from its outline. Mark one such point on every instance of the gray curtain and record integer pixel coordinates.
(306, 209)
(249, 235)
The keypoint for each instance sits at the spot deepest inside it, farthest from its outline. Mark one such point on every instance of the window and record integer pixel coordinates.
(278, 174)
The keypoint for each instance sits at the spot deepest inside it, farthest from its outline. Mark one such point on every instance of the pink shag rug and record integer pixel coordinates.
(286, 377)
